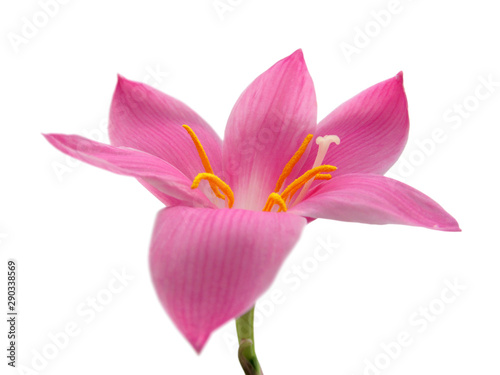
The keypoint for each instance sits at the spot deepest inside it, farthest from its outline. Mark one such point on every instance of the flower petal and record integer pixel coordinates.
(267, 125)
(374, 199)
(166, 182)
(372, 127)
(146, 119)
(210, 266)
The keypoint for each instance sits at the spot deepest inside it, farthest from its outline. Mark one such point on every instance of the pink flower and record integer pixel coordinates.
(214, 249)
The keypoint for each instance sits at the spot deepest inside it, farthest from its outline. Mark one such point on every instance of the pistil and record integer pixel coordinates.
(323, 145)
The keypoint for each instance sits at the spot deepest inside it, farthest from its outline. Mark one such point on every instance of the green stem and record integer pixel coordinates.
(246, 352)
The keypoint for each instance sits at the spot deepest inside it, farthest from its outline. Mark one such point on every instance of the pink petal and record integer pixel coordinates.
(166, 182)
(267, 125)
(146, 119)
(373, 130)
(374, 199)
(210, 266)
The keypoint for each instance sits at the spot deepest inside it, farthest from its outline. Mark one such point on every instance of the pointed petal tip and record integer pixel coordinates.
(296, 59)
(446, 223)
(399, 77)
(297, 56)
(127, 87)
(197, 340)
(451, 226)
(199, 344)
(122, 82)
(52, 138)
(120, 79)
(397, 82)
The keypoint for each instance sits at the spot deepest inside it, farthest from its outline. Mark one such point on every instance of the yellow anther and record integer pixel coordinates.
(199, 148)
(318, 177)
(217, 182)
(281, 199)
(204, 158)
(292, 192)
(275, 198)
(323, 177)
(289, 166)
(299, 182)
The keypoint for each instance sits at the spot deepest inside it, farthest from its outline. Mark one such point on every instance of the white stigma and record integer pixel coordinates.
(323, 145)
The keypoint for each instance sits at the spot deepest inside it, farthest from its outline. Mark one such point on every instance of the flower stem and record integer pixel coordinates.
(246, 352)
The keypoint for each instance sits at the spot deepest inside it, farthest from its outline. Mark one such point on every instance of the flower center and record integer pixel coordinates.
(318, 171)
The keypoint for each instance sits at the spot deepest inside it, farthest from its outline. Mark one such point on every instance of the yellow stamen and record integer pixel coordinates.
(287, 194)
(323, 177)
(289, 166)
(292, 192)
(318, 177)
(199, 148)
(204, 158)
(216, 181)
(298, 187)
(304, 178)
(275, 198)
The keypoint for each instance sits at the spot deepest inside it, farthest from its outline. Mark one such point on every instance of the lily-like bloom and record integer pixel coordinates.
(235, 208)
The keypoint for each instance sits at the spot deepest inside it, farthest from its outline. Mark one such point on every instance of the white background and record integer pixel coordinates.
(70, 232)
